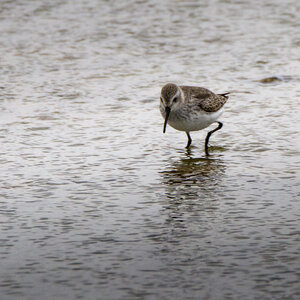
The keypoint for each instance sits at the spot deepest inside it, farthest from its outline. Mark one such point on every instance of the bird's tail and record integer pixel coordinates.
(224, 95)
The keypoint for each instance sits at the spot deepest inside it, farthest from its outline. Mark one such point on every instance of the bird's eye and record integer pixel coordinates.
(175, 99)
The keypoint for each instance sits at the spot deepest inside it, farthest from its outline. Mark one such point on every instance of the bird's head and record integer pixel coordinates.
(171, 98)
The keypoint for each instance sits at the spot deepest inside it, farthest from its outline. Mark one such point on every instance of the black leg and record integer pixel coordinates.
(189, 140)
(208, 136)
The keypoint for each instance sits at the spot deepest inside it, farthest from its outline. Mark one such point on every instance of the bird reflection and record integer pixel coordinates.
(190, 171)
(192, 184)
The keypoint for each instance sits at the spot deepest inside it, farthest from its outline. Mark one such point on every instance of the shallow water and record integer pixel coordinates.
(96, 203)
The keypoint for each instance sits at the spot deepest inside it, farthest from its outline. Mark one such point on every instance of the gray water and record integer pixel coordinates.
(96, 203)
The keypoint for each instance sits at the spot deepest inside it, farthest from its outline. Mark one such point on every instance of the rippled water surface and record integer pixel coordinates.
(96, 203)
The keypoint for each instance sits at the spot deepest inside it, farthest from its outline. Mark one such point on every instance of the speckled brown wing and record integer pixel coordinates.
(204, 98)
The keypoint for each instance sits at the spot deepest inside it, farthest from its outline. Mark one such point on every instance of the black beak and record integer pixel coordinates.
(167, 117)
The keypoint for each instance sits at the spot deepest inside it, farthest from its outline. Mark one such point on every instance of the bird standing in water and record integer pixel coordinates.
(190, 108)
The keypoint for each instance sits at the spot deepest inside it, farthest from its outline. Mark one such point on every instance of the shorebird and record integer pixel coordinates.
(191, 108)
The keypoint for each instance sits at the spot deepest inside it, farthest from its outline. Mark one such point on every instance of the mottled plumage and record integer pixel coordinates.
(204, 98)
(190, 108)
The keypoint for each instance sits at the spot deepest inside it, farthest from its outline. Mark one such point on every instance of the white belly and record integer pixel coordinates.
(197, 121)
